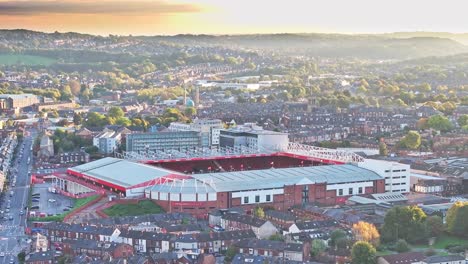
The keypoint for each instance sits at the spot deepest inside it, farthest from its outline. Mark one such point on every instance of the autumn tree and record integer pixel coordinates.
(366, 232)
(259, 212)
(75, 87)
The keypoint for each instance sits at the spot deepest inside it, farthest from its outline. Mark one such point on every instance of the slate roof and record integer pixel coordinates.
(245, 219)
(404, 258)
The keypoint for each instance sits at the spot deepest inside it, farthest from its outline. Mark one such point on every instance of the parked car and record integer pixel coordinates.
(36, 207)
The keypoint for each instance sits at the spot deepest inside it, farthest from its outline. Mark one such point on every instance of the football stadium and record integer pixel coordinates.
(200, 180)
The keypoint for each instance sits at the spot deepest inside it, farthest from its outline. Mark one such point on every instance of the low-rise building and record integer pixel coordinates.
(291, 251)
(262, 228)
(40, 258)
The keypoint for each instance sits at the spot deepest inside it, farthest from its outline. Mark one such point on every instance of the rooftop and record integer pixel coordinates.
(123, 173)
(277, 178)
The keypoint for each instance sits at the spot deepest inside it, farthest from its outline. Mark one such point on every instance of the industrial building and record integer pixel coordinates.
(15, 101)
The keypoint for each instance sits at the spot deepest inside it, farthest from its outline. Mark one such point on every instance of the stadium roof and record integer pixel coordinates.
(277, 178)
(122, 173)
(192, 186)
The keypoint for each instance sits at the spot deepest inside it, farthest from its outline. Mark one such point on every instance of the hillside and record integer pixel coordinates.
(375, 47)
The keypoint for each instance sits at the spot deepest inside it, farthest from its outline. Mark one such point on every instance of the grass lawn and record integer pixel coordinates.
(142, 208)
(78, 204)
(385, 252)
(446, 240)
(12, 59)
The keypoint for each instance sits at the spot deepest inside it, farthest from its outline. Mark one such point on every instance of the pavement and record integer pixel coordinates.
(12, 237)
(50, 208)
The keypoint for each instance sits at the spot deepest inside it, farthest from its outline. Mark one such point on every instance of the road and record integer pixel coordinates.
(12, 237)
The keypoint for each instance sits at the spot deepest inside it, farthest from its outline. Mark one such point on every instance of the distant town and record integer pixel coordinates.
(232, 149)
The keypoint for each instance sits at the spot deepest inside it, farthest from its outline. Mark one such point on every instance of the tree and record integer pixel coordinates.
(401, 246)
(422, 123)
(317, 247)
(95, 120)
(456, 219)
(364, 231)
(115, 112)
(21, 256)
(434, 226)
(276, 237)
(404, 222)
(363, 253)
(439, 122)
(65, 93)
(383, 151)
(259, 212)
(190, 111)
(230, 253)
(336, 235)
(77, 119)
(462, 120)
(412, 140)
(75, 87)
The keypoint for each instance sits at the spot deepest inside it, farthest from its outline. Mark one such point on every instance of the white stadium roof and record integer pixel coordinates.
(123, 173)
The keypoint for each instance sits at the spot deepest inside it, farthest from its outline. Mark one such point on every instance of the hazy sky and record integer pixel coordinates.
(151, 17)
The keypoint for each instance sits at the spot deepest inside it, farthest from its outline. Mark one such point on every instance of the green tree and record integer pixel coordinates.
(439, 122)
(317, 247)
(95, 120)
(230, 253)
(77, 119)
(383, 151)
(276, 237)
(65, 93)
(456, 219)
(404, 222)
(401, 246)
(412, 140)
(190, 111)
(363, 253)
(434, 226)
(115, 112)
(463, 120)
(336, 235)
(21, 256)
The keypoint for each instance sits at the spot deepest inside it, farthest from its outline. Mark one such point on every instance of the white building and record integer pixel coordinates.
(253, 136)
(107, 141)
(397, 175)
(209, 130)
